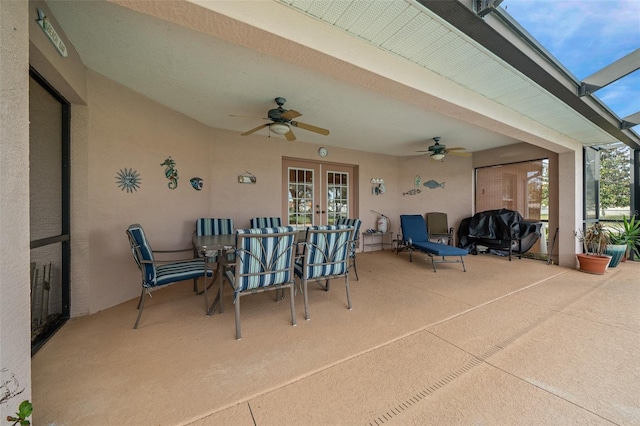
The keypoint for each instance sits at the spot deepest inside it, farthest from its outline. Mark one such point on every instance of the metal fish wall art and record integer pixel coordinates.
(197, 183)
(432, 184)
(413, 191)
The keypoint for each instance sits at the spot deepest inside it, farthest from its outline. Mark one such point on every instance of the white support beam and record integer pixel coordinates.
(607, 75)
(630, 121)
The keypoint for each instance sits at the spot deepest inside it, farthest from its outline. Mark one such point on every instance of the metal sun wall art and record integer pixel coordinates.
(128, 179)
(171, 173)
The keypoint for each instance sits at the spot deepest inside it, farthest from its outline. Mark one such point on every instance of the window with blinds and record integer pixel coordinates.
(522, 187)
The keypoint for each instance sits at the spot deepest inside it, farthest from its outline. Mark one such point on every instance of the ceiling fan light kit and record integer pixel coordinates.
(437, 157)
(279, 128)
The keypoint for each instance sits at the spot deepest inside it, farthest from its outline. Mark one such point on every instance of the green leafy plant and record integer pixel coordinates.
(24, 410)
(628, 233)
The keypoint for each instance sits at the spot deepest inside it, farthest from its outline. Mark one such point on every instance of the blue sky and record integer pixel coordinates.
(585, 36)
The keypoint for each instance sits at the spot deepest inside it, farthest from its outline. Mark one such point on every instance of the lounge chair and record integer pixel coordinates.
(415, 237)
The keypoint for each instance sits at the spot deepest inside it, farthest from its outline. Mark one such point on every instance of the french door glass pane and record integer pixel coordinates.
(337, 196)
(300, 197)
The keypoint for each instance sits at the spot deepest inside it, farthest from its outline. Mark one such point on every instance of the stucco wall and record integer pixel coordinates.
(15, 331)
(127, 130)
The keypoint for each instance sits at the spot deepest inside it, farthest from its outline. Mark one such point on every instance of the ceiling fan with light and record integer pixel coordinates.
(282, 121)
(437, 152)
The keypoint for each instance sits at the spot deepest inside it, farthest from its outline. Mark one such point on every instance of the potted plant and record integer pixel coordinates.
(617, 247)
(594, 239)
(629, 234)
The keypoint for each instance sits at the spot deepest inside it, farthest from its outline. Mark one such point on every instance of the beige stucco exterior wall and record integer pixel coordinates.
(15, 325)
(127, 130)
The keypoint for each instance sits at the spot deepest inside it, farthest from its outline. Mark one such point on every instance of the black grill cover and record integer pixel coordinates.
(497, 229)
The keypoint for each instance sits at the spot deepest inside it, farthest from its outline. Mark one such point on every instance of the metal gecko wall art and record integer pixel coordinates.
(171, 173)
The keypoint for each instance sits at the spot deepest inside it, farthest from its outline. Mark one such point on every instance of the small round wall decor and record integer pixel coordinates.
(128, 179)
(197, 183)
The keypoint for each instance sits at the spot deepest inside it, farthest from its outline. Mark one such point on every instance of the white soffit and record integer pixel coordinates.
(409, 30)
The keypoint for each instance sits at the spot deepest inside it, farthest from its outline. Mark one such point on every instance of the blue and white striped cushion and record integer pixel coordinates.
(326, 254)
(266, 222)
(356, 232)
(211, 226)
(262, 262)
(137, 233)
(173, 272)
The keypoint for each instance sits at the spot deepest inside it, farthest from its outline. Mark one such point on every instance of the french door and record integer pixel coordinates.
(317, 193)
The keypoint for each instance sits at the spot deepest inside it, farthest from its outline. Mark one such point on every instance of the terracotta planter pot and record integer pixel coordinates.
(593, 263)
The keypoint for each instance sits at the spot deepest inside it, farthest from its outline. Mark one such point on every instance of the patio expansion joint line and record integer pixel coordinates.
(364, 352)
(484, 358)
(431, 388)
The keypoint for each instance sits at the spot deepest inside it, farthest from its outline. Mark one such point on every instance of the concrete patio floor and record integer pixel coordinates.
(506, 343)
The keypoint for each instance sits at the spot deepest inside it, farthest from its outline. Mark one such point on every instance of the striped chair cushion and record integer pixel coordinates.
(263, 260)
(210, 226)
(325, 254)
(266, 222)
(154, 275)
(356, 232)
(179, 271)
(138, 240)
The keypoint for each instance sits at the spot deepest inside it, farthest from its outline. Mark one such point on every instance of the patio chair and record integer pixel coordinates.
(354, 241)
(263, 261)
(158, 274)
(325, 256)
(415, 237)
(266, 222)
(438, 228)
(211, 226)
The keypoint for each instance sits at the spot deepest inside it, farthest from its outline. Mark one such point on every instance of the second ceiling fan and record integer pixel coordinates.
(282, 121)
(437, 152)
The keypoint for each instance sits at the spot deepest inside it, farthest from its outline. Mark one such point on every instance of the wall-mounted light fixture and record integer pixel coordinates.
(247, 177)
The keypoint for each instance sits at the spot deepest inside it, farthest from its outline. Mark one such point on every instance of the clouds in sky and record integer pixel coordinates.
(585, 36)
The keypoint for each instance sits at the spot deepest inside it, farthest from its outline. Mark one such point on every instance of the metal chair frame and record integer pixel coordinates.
(161, 273)
(325, 256)
(264, 261)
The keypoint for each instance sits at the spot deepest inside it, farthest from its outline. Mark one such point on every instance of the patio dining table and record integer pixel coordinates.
(222, 248)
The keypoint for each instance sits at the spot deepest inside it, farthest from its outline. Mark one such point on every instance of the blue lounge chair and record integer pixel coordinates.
(415, 237)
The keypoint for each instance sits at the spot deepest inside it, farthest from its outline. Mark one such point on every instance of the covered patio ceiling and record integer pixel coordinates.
(383, 77)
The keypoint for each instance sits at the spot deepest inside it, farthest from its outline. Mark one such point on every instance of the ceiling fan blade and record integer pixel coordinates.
(290, 136)
(458, 148)
(309, 127)
(290, 115)
(248, 132)
(460, 154)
